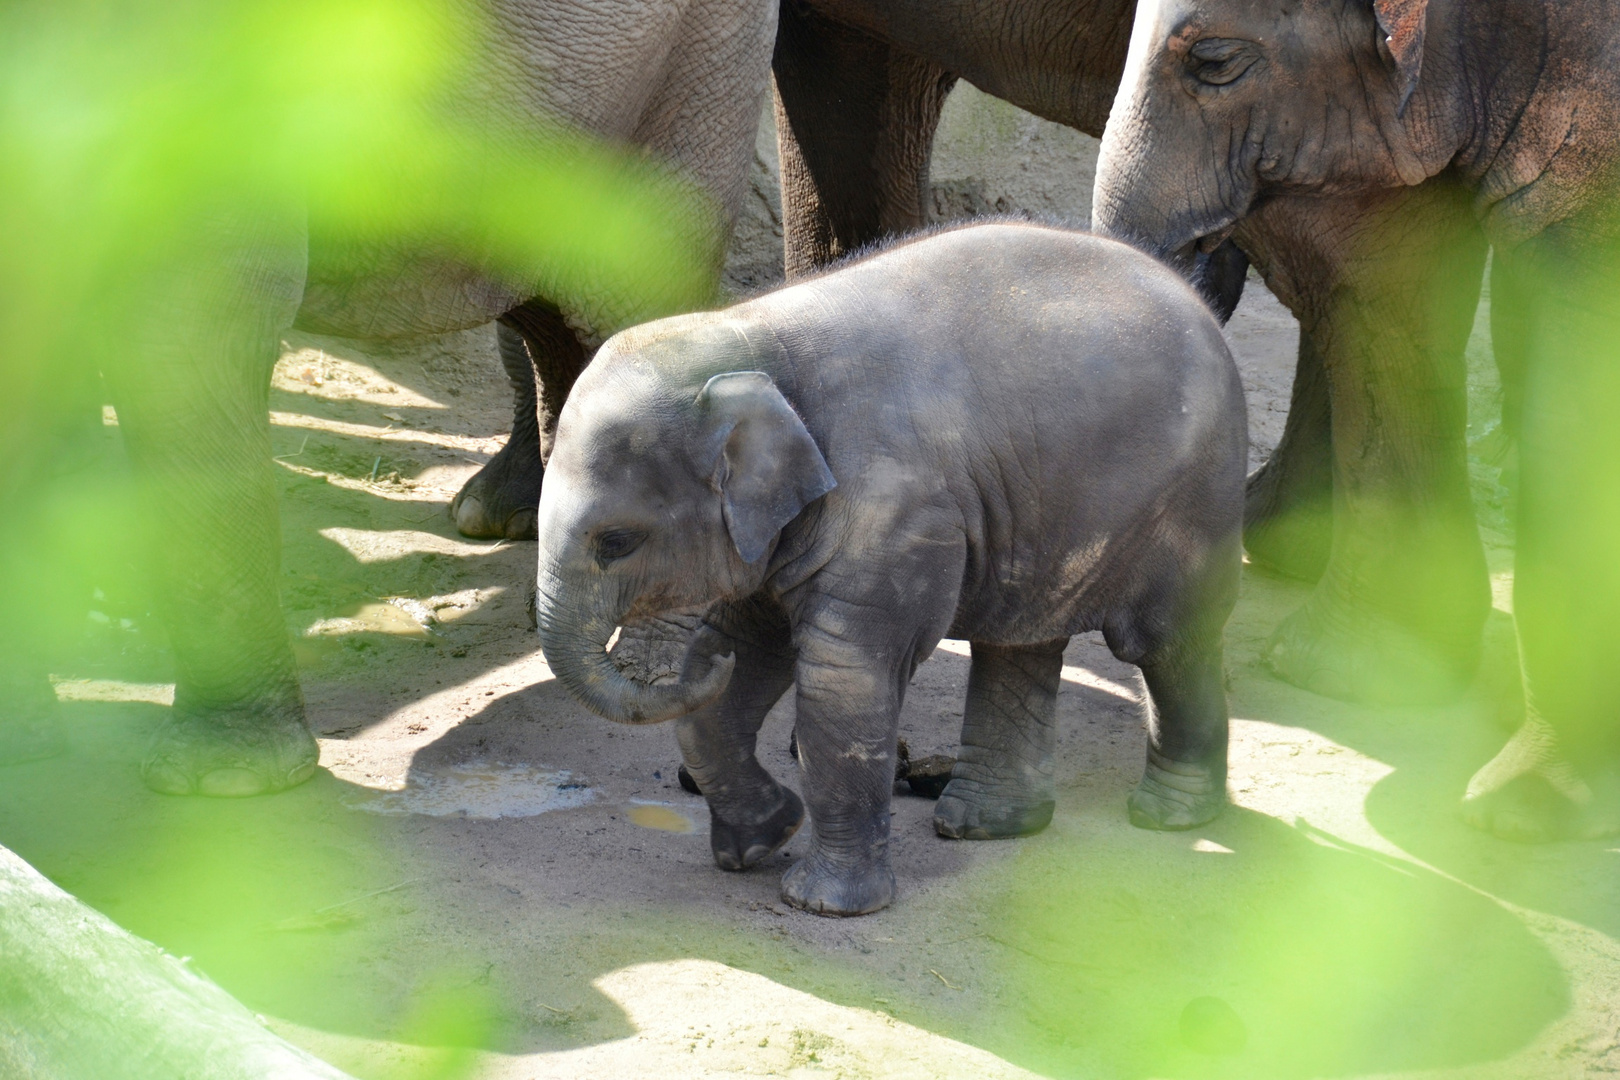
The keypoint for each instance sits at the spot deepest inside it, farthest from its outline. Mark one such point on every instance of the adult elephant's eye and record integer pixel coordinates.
(617, 543)
(1219, 61)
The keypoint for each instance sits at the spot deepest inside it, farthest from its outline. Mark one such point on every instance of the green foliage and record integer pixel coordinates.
(126, 127)
(453, 1015)
(1299, 955)
(150, 150)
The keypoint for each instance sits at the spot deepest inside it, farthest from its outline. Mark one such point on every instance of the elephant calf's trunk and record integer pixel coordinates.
(576, 650)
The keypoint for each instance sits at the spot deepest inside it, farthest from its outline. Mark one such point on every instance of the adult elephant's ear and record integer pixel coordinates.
(766, 467)
(1403, 23)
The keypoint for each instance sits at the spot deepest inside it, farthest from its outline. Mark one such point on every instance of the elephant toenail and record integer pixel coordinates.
(165, 779)
(521, 524)
(950, 817)
(231, 783)
(469, 514)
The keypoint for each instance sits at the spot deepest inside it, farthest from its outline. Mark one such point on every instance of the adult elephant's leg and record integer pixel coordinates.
(1002, 784)
(556, 355)
(1559, 776)
(855, 121)
(750, 814)
(1387, 290)
(701, 120)
(30, 625)
(49, 428)
(543, 357)
(30, 729)
(1288, 500)
(192, 398)
(500, 499)
(1512, 304)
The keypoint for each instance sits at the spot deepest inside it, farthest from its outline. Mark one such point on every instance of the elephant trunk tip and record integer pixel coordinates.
(680, 698)
(581, 663)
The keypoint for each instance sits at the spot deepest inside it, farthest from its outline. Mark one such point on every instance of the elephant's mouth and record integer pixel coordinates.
(1217, 268)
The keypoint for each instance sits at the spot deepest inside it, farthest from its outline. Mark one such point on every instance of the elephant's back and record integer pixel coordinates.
(1004, 275)
(1076, 398)
(1031, 317)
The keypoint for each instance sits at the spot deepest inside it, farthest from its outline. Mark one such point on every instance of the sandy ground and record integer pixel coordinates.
(485, 880)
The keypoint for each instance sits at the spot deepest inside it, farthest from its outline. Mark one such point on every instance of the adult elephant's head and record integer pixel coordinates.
(1226, 101)
(667, 489)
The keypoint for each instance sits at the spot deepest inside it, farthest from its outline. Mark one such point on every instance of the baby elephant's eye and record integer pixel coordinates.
(617, 543)
(1219, 61)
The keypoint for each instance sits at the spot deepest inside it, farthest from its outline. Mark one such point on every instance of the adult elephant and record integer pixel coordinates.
(683, 80)
(1366, 495)
(1225, 102)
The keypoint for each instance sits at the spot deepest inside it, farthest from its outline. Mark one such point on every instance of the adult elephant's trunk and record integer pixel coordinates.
(574, 637)
(1146, 195)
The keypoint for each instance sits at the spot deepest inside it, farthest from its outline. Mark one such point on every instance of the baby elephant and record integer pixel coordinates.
(1006, 433)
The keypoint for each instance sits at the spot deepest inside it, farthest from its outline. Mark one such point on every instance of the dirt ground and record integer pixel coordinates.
(485, 880)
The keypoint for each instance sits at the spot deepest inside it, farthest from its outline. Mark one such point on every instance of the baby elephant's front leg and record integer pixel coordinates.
(1002, 784)
(848, 720)
(750, 814)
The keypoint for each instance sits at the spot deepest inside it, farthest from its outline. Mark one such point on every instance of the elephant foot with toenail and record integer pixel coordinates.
(824, 886)
(502, 498)
(230, 754)
(1176, 795)
(970, 811)
(739, 846)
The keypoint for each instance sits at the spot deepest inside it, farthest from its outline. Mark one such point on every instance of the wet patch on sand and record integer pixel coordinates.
(485, 790)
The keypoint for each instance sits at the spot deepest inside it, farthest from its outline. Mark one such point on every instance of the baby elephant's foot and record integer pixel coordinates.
(737, 847)
(823, 886)
(1176, 795)
(968, 810)
(248, 751)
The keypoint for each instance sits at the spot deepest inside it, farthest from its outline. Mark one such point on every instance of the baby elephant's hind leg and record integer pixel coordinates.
(1184, 784)
(1002, 784)
(750, 814)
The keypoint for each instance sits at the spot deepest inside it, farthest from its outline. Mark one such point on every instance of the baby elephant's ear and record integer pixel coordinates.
(766, 466)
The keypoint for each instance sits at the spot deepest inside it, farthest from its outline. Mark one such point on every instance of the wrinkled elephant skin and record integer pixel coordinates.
(682, 79)
(1518, 104)
(1005, 433)
(1375, 427)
